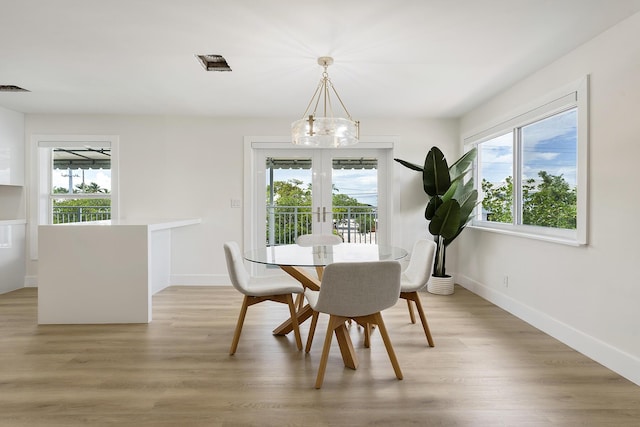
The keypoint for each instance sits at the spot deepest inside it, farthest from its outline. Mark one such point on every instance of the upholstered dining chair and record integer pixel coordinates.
(318, 239)
(358, 291)
(256, 290)
(415, 277)
(309, 240)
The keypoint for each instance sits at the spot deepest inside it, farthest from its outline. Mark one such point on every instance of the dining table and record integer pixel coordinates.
(301, 261)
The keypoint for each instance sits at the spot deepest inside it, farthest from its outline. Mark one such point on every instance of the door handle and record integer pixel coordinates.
(324, 214)
(318, 213)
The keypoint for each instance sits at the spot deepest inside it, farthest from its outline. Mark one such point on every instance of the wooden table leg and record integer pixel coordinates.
(349, 356)
(308, 281)
(287, 326)
(298, 273)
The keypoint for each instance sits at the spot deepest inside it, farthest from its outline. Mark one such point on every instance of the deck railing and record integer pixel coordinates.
(66, 214)
(355, 224)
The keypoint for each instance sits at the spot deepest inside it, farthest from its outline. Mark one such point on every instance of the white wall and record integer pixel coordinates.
(193, 166)
(586, 296)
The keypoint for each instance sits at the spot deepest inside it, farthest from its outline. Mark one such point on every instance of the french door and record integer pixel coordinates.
(331, 191)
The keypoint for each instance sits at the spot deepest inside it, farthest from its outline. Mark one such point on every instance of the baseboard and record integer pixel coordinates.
(30, 281)
(613, 358)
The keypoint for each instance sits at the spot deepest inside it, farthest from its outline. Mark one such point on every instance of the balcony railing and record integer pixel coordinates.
(355, 224)
(66, 214)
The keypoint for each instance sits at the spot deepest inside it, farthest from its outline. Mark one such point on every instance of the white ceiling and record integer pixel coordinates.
(401, 58)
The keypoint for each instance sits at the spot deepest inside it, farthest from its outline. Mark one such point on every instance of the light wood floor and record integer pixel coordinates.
(487, 369)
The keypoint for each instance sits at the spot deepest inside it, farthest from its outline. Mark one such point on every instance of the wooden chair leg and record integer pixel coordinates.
(388, 346)
(367, 335)
(411, 315)
(423, 318)
(294, 321)
(238, 331)
(312, 331)
(300, 301)
(325, 354)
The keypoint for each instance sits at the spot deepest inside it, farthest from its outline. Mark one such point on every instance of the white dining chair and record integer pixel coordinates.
(358, 291)
(415, 278)
(256, 290)
(318, 239)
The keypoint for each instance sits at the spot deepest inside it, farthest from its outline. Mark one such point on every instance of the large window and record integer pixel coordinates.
(531, 170)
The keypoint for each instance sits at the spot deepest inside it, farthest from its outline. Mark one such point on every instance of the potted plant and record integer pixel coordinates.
(449, 209)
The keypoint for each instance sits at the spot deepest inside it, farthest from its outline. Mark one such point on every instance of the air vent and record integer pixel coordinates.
(11, 88)
(214, 62)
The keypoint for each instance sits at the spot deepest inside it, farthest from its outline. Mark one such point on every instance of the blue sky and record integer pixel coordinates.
(102, 177)
(360, 184)
(548, 145)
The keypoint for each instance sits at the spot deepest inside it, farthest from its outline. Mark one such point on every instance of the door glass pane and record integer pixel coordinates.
(355, 199)
(495, 173)
(549, 162)
(288, 199)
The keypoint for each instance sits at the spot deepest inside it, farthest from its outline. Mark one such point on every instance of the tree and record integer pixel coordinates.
(78, 210)
(90, 188)
(364, 213)
(292, 216)
(498, 201)
(60, 190)
(291, 207)
(549, 203)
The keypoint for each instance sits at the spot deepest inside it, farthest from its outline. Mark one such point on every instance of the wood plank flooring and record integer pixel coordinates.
(487, 369)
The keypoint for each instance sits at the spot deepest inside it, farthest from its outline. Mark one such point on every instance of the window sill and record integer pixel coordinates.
(527, 235)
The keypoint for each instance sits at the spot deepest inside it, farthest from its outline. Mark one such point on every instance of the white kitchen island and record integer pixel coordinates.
(103, 271)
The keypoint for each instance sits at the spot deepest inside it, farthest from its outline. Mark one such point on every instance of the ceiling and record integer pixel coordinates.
(401, 58)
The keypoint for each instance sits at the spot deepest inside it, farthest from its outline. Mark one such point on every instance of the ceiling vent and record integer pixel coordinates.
(11, 88)
(214, 62)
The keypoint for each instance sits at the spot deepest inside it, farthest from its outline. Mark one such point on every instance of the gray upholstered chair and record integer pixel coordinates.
(358, 291)
(310, 240)
(318, 239)
(257, 290)
(415, 277)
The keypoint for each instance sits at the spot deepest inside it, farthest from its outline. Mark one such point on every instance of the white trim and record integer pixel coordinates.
(251, 210)
(578, 85)
(573, 95)
(611, 357)
(38, 182)
(30, 281)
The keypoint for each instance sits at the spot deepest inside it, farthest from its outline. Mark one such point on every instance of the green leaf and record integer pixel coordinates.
(463, 190)
(463, 165)
(468, 203)
(450, 192)
(432, 206)
(409, 165)
(446, 219)
(435, 175)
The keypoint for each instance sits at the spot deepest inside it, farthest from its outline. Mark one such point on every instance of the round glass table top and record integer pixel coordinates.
(318, 256)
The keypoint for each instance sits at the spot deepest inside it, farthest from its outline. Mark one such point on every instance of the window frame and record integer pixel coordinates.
(41, 161)
(574, 95)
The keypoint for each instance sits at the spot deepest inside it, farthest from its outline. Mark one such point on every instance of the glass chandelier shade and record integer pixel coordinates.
(326, 131)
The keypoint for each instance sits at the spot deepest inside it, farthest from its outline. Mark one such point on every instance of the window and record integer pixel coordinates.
(80, 187)
(76, 180)
(531, 170)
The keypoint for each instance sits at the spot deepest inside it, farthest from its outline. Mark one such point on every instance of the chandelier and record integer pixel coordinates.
(325, 131)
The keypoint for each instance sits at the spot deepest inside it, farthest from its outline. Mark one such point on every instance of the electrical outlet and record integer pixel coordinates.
(505, 281)
(235, 203)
